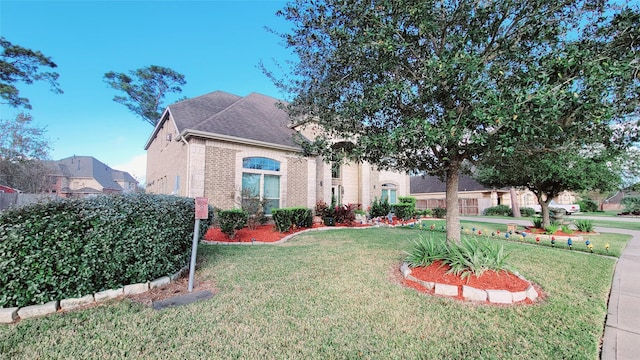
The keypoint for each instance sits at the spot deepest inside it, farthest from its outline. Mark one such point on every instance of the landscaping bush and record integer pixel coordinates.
(537, 222)
(527, 212)
(439, 212)
(584, 225)
(469, 257)
(231, 221)
(631, 204)
(380, 208)
(71, 248)
(345, 214)
(404, 211)
(284, 218)
(498, 210)
(588, 205)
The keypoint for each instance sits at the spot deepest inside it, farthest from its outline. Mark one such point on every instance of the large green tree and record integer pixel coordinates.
(24, 150)
(421, 86)
(19, 64)
(581, 112)
(145, 89)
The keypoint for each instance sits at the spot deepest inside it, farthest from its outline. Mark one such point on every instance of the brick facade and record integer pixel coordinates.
(220, 176)
(298, 176)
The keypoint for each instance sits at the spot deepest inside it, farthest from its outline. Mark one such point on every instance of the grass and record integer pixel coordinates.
(333, 294)
(629, 225)
(616, 242)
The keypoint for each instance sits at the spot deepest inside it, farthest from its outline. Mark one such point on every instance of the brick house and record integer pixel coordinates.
(80, 176)
(473, 197)
(222, 146)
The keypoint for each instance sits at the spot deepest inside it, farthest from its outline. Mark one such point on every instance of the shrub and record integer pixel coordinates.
(498, 210)
(469, 257)
(552, 228)
(231, 221)
(404, 211)
(425, 212)
(439, 212)
(475, 257)
(380, 208)
(344, 214)
(585, 225)
(537, 222)
(71, 248)
(527, 212)
(588, 205)
(285, 218)
(425, 252)
(566, 229)
(254, 206)
(631, 204)
(321, 208)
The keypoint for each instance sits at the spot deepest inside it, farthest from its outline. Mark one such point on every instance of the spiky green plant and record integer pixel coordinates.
(473, 257)
(552, 228)
(584, 225)
(426, 251)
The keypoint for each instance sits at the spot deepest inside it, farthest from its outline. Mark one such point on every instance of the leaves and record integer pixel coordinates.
(19, 64)
(70, 248)
(145, 89)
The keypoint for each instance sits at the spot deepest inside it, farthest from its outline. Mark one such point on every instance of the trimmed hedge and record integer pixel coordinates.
(498, 210)
(71, 248)
(284, 218)
(232, 220)
(404, 211)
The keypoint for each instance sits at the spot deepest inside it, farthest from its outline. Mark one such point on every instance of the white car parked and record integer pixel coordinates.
(568, 208)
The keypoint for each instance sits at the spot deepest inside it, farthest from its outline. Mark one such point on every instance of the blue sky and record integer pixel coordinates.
(217, 45)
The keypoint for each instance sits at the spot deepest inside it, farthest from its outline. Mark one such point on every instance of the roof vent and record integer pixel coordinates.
(169, 137)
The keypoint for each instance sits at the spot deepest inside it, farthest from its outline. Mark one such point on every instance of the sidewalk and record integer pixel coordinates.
(621, 339)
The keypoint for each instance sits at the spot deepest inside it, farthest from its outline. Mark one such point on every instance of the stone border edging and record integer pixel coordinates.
(13, 314)
(473, 294)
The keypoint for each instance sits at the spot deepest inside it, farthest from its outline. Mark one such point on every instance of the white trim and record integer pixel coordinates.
(207, 135)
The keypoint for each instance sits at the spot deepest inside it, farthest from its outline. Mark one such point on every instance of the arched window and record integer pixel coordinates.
(389, 192)
(260, 181)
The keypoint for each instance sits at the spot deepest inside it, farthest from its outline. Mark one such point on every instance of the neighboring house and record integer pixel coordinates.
(223, 147)
(80, 176)
(8, 190)
(615, 202)
(474, 198)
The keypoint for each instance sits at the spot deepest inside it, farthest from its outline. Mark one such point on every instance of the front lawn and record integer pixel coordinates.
(335, 294)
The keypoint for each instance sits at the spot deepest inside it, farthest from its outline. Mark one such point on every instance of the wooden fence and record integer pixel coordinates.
(8, 200)
(467, 206)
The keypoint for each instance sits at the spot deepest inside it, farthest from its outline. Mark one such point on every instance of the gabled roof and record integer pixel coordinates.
(422, 184)
(91, 168)
(255, 118)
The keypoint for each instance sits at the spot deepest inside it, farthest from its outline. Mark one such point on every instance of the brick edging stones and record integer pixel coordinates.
(472, 294)
(12, 314)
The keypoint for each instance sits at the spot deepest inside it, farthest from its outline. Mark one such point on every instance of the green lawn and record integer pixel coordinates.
(635, 225)
(333, 294)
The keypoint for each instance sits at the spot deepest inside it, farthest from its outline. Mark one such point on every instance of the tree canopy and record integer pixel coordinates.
(581, 116)
(24, 150)
(425, 86)
(19, 64)
(145, 89)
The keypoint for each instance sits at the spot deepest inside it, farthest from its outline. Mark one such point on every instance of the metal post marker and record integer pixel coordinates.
(202, 212)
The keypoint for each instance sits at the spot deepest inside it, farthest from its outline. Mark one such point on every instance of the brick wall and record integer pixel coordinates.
(297, 182)
(220, 176)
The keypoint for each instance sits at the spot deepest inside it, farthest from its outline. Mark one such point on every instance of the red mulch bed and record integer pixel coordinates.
(489, 280)
(262, 233)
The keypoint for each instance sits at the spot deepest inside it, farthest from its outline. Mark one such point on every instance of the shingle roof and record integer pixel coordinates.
(432, 184)
(90, 167)
(255, 117)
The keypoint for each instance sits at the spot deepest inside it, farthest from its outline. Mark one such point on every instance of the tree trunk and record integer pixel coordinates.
(515, 206)
(453, 208)
(544, 209)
